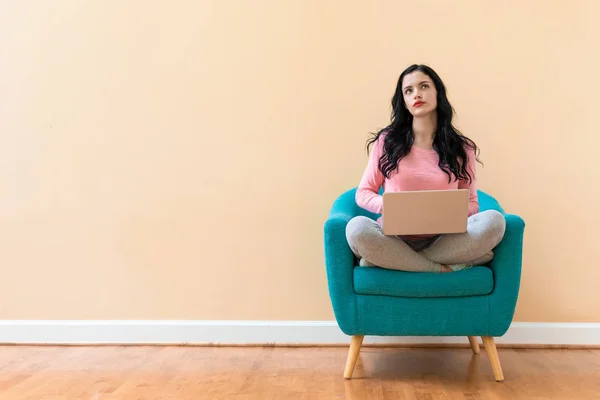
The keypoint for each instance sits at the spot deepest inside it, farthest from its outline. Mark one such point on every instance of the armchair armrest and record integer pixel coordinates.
(339, 262)
(506, 267)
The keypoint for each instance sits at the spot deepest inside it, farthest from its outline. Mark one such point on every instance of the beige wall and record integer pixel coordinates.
(127, 191)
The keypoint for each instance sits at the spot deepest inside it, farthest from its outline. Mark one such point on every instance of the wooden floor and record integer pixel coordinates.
(136, 373)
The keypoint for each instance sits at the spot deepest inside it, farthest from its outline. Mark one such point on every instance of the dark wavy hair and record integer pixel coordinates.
(448, 142)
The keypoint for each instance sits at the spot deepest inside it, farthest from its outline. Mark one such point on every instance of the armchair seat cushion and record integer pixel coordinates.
(474, 281)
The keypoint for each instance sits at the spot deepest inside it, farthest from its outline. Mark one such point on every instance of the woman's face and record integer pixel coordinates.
(420, 95)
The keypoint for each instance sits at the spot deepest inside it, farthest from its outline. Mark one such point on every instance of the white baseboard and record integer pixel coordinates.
(263, 332)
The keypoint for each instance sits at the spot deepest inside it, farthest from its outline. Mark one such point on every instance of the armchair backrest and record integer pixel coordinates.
(488, 202)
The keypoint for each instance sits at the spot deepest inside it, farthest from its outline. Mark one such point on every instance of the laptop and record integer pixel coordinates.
(424, 212)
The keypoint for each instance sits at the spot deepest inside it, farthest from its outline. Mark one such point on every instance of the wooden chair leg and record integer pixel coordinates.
(492, 352)
(474, 344)
(353, 355)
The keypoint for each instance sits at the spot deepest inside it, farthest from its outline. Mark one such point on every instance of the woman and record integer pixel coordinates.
(421, 150)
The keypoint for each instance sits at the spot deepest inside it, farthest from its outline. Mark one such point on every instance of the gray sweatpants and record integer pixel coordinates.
(368, 242)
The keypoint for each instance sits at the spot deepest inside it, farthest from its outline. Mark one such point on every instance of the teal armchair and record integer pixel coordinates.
(479, 301)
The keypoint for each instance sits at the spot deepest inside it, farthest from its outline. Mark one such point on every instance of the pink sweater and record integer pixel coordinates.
(419, 170)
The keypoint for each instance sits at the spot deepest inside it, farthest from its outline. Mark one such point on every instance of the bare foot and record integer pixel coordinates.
(445, 268)
(365, 263)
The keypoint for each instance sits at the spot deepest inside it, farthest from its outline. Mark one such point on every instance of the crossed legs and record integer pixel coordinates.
(484, 231)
